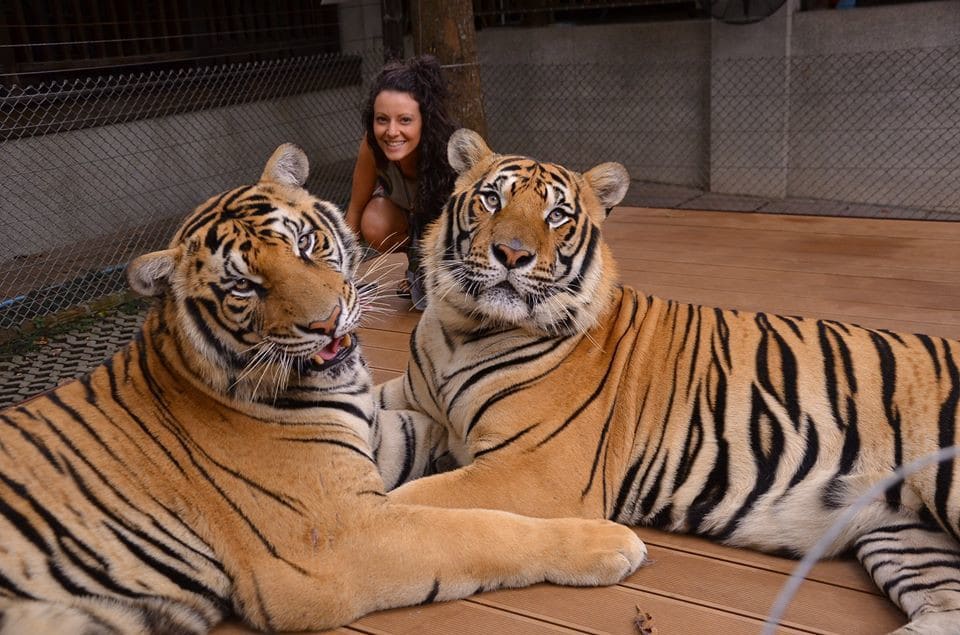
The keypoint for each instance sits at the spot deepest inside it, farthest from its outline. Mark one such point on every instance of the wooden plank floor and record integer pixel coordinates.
(903, 275)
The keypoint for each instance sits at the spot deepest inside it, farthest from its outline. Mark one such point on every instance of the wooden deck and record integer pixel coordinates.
(903, 275)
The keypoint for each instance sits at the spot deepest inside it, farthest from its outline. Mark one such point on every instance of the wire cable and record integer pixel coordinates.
(826, 540)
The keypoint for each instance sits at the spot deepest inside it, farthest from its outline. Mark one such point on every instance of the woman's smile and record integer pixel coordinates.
(397, 125)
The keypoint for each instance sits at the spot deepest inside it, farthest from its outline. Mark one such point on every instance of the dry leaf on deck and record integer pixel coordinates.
(644, 623)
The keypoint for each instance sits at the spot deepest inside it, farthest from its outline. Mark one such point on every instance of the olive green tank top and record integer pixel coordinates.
(397, 187)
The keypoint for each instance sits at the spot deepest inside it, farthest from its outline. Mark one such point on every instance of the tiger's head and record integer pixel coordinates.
(257, 286)
(519, 242)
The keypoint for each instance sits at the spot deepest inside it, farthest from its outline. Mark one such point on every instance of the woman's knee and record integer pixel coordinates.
(383, 224)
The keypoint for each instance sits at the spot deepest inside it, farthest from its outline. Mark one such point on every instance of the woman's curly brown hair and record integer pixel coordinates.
(422, 78)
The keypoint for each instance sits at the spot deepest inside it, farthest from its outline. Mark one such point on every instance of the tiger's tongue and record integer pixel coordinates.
(330, 351)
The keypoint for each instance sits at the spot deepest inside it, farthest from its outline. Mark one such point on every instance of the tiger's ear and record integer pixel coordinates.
(609, 181)
(288, 165)
(465, 149)
(149, 274)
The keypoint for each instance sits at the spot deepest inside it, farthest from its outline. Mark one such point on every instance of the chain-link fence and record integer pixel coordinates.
(873, 134)
(653, 118)
(96, 170)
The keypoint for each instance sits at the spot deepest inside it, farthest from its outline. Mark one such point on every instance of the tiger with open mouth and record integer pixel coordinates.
(225, 463)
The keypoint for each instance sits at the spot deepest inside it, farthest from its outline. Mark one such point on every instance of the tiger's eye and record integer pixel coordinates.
(307, 242)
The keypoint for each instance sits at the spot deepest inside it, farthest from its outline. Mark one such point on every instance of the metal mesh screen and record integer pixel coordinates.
(95, 171)
(650, 117)
(877, 128)
(874, 134)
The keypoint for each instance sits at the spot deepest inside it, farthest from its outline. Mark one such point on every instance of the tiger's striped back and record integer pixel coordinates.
(568, 394)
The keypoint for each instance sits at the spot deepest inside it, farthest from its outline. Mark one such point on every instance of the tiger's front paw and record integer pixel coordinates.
(596, 552)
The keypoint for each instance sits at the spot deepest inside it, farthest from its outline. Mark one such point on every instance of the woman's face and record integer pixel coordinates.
(396, 124)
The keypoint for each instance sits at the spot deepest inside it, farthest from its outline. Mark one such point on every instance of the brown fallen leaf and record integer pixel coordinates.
(644, 623)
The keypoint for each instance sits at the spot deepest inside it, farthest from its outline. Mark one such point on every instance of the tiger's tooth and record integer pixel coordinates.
(346, 341)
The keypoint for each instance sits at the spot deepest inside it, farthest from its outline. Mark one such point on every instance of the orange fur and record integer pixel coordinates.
(565, 393)
(224, 462)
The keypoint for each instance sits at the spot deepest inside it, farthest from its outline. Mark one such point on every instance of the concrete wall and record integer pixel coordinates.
(862, 30)
(859, 105)
(636, 93)
(82, 185)
(77, 187)
(749, 105)
(875, 105)
(76, 205)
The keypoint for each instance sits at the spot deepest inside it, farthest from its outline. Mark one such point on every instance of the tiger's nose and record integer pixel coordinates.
(327, 325)
(512, 257)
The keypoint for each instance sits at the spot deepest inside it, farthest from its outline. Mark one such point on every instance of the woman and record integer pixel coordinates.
(402, 179)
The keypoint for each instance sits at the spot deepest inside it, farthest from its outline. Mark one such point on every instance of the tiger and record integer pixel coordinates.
(567, 393)
(226, 463)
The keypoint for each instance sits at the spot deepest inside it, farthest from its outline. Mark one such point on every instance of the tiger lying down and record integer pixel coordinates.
(222, 464)
(573, 395)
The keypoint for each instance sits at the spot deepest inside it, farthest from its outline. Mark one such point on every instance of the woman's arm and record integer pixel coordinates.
(364, 180)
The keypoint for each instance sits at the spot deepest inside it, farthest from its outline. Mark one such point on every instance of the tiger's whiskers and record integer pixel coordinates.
(265, 347)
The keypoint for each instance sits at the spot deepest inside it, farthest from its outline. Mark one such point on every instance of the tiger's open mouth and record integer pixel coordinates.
(333, 353)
